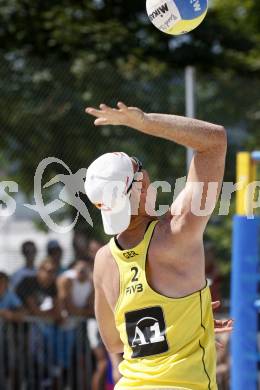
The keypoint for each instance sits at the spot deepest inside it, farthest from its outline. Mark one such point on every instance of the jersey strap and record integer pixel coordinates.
(131, 264)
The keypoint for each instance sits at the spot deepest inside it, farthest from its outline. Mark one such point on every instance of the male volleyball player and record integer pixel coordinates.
(152, 301)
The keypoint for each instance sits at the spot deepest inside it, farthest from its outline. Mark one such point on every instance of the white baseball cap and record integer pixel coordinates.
(108, 181)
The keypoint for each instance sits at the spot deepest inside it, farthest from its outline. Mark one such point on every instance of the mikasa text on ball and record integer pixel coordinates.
(176, 17)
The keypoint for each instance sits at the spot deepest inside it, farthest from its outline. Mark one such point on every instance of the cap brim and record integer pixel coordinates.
(115, 223)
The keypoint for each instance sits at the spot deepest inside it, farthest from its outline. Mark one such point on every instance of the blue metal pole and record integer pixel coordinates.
(245, 269)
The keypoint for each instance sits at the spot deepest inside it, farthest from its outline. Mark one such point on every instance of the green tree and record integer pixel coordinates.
(57, 57)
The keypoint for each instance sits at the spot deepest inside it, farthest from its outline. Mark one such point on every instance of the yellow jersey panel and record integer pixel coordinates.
(169, 343)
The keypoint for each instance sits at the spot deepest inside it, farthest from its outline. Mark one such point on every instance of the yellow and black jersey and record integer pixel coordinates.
(168, 342)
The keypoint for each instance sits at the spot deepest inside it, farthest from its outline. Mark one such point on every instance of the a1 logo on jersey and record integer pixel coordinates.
(146, 331)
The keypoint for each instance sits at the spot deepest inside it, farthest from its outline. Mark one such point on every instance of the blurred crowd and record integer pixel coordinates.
(214, 278)
(59, 295)
(62, 298)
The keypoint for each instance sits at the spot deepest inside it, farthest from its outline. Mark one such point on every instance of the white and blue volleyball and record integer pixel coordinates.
(176, 17)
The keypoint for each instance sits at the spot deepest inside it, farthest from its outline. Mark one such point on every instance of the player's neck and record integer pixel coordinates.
(135, 232)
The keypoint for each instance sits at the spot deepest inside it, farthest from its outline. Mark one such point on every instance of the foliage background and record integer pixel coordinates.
(57, 57)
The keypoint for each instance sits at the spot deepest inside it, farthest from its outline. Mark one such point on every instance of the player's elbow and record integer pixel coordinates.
(114, 348)
(113, 345)
(215, 140)
(221, 138)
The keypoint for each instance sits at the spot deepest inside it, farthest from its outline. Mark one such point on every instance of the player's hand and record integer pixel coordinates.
(122, 115)
(221, 326)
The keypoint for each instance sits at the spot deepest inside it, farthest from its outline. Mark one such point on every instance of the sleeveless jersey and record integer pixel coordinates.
(169, 343)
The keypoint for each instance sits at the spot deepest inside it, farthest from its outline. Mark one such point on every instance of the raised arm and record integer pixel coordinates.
(206, 139)
(206, 170)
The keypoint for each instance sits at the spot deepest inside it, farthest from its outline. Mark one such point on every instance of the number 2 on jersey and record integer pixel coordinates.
(135, 271)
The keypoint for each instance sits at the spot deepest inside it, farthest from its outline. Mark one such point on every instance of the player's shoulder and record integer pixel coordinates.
(103, 254)
(102, 260)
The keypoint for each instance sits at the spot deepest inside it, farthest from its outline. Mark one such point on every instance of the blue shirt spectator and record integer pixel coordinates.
(20, 274)
(10, 305)
(29, 252)
(55, 252)
(9, 300)
(39, 293)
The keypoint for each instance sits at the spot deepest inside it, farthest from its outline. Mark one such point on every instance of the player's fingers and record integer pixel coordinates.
(230, 323)
(94, 112)
(215, 305)
(218, 323)
(105, 108)
(222, 323)
(122, 106)
(227, 329)
(101, 122)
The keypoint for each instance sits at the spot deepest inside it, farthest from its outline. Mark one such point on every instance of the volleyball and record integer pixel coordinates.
(176, 17)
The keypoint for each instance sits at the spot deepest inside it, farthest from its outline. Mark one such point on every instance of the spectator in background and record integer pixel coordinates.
(76, 297)
(84, 249)
(10, 310)
(223, 362)
(29, 252)
(80, 245)
(39, 293)
(93, 246)
(75, 290)
(10, 305)
(115, 360)
(54, 252)
(212, 270)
